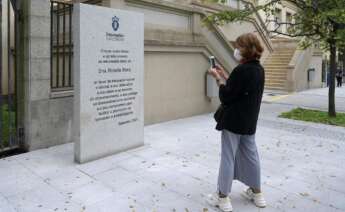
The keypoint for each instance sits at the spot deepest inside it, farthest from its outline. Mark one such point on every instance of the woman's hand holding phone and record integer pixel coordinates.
(214, 73)
(222, 72)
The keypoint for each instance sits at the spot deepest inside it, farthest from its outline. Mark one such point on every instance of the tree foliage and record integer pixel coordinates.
(317, 21)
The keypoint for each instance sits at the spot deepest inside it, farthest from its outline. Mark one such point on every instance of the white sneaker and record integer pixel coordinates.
(223, 204)
(258, 198)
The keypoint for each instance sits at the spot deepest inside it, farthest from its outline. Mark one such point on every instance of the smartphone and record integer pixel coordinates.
(212, 61)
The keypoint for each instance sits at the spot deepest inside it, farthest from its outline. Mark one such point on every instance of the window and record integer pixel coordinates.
(288, 20)
(61, 55)
(277, 19)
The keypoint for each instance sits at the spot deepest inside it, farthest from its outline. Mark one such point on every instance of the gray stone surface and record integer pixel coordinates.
(39, 7)
(40, 89)
(39, 69)
(302, 171)
(108, 105)
(51, 122)
(39, 24)
(36, 100)
(40, 47)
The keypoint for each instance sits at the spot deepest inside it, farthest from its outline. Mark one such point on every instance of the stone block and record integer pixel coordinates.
(39, 89)
(40, 47)
(50, 123)
(40, 8)
(39, 69)
(40, 26)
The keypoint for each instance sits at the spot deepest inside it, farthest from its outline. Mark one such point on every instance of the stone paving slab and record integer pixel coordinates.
(302, 170)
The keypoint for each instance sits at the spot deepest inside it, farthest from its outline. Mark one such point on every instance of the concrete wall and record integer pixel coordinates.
(316, 63)
(177, 89)
(300, 63)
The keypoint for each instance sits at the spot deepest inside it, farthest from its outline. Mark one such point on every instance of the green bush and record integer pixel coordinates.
(7, 128)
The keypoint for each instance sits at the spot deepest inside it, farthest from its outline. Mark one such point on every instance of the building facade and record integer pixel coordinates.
(177, 47)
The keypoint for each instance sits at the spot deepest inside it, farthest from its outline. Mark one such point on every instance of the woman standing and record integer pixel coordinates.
(240, 95)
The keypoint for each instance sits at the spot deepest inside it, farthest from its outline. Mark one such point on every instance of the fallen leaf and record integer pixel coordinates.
(304, 194)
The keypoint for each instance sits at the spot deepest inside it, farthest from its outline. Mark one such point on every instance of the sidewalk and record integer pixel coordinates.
(302, 170)
(314, 99)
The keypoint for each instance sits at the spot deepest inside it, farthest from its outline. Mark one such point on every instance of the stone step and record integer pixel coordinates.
(267, 66)
(284, 44)
(284, 56)
(273, 77)
(285, 62)
(268, 69)
(284, 50)
(276, 70)
(283, 53)
(276, 74)
(278, 63)
(277, 84)
(278, 79)
(274, 66)
(274, 88)
(275, 81)
(272, 70)
(281, 57)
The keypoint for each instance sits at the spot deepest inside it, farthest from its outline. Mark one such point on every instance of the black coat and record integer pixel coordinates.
(241, 97)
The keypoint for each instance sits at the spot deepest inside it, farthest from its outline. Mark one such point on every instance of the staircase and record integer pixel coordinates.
(276, 65)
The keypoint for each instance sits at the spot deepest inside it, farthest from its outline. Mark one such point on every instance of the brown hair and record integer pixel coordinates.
(249, 46)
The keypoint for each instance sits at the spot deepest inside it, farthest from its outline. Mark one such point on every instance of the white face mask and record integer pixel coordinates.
(237, 55)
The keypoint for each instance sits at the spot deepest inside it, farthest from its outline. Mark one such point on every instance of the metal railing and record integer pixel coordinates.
(61, 62)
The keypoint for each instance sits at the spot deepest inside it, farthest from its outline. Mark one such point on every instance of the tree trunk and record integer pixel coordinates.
(333, 67)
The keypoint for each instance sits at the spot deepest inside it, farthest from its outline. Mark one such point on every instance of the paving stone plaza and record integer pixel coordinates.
(302, 170)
